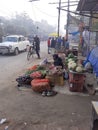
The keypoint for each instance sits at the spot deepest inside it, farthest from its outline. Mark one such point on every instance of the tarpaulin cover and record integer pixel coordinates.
(93, 59)
(74, 33)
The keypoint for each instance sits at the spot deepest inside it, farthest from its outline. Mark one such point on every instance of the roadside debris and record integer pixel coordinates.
(2, 121)
(6, 128)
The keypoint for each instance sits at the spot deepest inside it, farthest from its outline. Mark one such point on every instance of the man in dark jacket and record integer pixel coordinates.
(53, 45)
(57, 60)
(37, 45)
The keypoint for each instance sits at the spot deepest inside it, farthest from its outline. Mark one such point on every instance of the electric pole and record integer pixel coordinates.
(67, 21)
(68, 11)
(59, 11)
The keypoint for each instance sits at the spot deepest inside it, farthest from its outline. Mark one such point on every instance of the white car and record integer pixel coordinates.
(14, 44)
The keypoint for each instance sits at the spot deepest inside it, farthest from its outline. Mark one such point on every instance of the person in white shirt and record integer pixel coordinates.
(86, 41)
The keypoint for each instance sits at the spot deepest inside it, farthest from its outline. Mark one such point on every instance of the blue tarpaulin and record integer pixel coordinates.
(93, 59)
(74, 33)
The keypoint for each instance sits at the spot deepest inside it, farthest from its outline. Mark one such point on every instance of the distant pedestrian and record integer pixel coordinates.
(37, 45)
(59, 42)
(66, 44)
(63, 41)
(49, 44)
(53, 45)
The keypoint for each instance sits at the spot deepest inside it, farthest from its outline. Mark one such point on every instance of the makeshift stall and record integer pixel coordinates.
(76, 74)
(43, 77)
(49, 74)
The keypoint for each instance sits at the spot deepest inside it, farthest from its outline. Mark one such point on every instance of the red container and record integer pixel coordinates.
(76, 81)
(76, 86)
(75, 77)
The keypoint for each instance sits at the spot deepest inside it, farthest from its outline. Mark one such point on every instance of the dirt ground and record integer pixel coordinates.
(27, 110)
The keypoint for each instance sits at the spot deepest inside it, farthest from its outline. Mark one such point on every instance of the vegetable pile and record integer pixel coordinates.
(73, 65)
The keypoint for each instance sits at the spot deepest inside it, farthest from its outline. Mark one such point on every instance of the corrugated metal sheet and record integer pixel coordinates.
(87, 5)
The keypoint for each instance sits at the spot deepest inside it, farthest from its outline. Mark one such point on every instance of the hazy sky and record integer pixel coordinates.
(36, 10)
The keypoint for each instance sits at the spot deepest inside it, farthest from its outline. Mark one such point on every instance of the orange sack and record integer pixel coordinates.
(40, 85)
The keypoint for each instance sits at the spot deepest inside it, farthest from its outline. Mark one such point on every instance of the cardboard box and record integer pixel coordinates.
(56, 79)
(59, 80)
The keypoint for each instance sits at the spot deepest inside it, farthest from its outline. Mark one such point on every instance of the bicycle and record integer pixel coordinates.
(31, 52)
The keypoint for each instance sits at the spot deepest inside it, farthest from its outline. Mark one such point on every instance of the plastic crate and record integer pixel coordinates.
(59, 80)
(56, 79)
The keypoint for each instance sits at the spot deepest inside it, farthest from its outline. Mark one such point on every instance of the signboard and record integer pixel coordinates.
(94, 26)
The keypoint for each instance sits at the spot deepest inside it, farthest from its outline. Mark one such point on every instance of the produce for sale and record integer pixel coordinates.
(70, 59)
(40, 85)
(79, 69)
(71, 55)
(72, 66)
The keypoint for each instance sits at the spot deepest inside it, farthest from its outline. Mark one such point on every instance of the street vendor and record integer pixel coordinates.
(57, 60)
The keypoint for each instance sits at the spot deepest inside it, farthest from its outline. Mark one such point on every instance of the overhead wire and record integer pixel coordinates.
(38, 9)
(33, 12)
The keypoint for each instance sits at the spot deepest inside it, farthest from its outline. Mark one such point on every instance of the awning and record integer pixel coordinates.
(87, 5)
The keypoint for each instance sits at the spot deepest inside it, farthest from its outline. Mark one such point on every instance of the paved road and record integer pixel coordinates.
(11, 66)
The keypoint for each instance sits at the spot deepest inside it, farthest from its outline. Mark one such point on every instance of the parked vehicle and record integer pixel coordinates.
(14, 44)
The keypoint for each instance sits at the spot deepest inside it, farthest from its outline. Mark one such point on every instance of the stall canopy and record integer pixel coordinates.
(54, 34)
(87, 5)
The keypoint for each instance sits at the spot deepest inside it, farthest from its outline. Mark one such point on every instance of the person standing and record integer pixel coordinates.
(37, 45)
(66, 44)
(63, 41)
(86, 40)
(59, 42)
(53, 45)
(49, 44)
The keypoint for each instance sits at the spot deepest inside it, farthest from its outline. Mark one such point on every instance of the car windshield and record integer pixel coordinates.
(10, 39)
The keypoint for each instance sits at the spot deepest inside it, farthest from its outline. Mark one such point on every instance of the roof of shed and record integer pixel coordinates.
(87, 5)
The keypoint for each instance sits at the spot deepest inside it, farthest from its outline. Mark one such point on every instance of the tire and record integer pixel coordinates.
(28, 56)
(16, 52)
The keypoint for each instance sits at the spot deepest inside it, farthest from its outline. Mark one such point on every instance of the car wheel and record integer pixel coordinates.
(16, 52)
